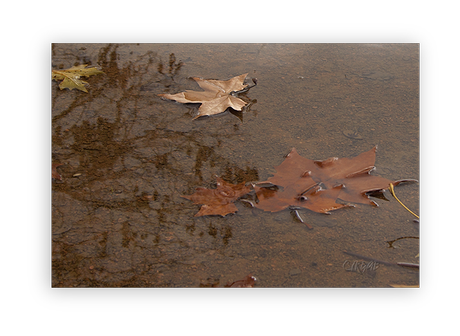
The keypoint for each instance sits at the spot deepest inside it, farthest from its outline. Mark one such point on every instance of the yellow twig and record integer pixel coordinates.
(392, 191)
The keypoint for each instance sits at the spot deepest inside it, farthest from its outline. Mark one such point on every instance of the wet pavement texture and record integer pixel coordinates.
(127, 156)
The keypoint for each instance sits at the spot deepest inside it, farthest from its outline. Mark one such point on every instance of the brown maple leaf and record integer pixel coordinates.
(218, 201)
(316, 185)
(217, 97)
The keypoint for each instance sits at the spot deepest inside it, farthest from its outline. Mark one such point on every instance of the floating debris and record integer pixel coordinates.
(391, 242)
(392, 191)
(403, 286)
(295, 213)
(352, 134)
(404, 264)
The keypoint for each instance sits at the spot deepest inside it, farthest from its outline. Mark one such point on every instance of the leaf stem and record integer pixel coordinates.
(392, 191)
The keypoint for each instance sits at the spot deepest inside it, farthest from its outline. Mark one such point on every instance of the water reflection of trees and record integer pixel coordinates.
(118, 218)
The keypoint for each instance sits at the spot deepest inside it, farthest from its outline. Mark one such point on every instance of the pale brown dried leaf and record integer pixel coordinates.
(216, 98)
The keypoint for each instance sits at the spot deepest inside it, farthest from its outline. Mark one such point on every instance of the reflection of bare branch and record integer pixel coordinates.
(174, 67)
(127, 163)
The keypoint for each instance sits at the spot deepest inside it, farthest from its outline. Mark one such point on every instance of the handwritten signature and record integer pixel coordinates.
(360, 267)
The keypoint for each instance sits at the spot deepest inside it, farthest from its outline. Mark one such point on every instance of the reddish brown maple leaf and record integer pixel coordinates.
(316, 185)
(218, 201)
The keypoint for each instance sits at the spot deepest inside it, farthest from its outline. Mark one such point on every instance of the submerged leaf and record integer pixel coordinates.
(316, 185)
(216, 98)
(218, 201)
(71, 77)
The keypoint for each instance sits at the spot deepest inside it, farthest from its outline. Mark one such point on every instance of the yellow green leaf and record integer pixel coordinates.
(71, 77)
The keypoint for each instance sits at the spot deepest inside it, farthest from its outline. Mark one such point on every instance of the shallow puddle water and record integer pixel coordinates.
(126, 156)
